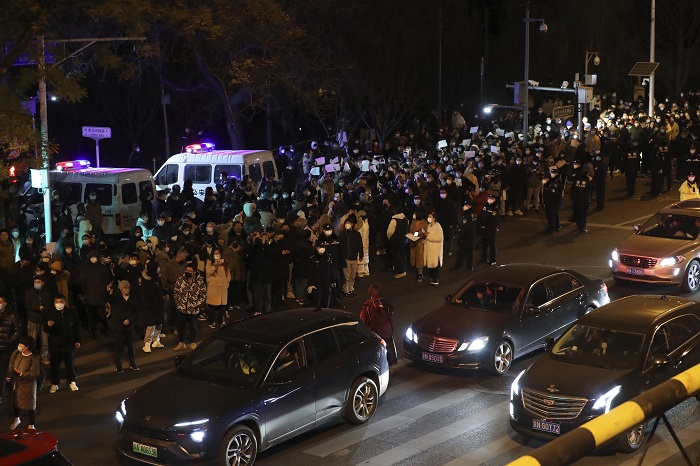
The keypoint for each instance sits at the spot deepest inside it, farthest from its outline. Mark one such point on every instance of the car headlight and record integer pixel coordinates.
(122, 407)
(197, 436)
(198, 422)
(478, 344)
(410, 336)
(515, 386)
(615, 255)
(463, 346)
(605, 400)
(669, 261)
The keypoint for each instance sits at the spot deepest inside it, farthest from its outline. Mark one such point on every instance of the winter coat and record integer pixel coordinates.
(120, 309)
(171, 271)
(93, 280)
(218, 278)
(261, 263)
(36, 299)
(7, 255)
(151, 301)
(234, 260)
(417, 248)
(9, 330)
(189, 296)
(351, 245)
(433, 246)
(66, 328)
(24, 385)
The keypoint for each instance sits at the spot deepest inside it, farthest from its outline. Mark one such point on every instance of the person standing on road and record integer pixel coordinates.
(689, 188)
(488, 226)
(152, 301)
(190, 293)
(396, 235)
(122, 314)
(377, 313)
(551, 194)
(38, 301)
(600, 177)
(218, 279)
(580, 195)
(63, 327)
(418, 225)
(433, 248)
(93, 213)
(93, 278)
(319, 286)
(22, 374)
(632, 167)
(10, 330)
(351, 249)
(467, 234)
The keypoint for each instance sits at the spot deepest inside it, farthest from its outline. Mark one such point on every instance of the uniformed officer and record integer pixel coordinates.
(488, 226)
(656, 170)
(467, 234)
(692, 160)
(580, 195)
(689, 188)
(632, 167)
(551, 194)
(600, 176)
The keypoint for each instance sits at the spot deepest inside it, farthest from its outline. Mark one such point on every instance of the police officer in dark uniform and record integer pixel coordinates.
(551, 194)
(580, 195)
(331, 244)
(600, 176)
(632, 166)
(692, 160)
(656, 170)
(321, 277)
(467, 234)
(666, 165)
(488, 226)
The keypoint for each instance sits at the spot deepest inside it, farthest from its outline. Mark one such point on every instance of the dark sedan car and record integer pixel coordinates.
(254, 384)
(608, 357)
(502, 313)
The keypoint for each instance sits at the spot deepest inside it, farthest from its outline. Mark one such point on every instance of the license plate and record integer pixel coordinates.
(546, 426)
(429, 357)
(145, 450)
(633, 271)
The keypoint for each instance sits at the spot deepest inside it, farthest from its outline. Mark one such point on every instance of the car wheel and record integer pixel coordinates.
(501, 358)
(239, 447)
(362, 401)
(691, 279)
(631, 440)
(586, 311)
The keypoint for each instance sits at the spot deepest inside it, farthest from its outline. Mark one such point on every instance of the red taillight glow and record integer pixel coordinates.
(382, 342)
(604, 288)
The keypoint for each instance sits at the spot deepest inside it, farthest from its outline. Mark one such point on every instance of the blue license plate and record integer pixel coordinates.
(546, 426)
(434, 358)
(633, 271)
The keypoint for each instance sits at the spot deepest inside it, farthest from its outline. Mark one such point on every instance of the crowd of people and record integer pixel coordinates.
(305, 238)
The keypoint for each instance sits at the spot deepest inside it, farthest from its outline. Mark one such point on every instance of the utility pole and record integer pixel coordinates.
(652, 57)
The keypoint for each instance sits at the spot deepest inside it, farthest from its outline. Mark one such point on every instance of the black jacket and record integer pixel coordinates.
(34, 300)
(121, 310)
(351, 245)
(150, 296)
(66, 328)
(9, 330)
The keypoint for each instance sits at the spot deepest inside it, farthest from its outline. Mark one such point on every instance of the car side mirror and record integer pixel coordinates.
(660, 360)
(548, 343)
(178, 360)
(448, 297)
(531, 309)
(635, 228)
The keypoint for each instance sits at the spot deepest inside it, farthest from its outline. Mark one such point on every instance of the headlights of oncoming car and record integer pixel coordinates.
(197, 436)
(410, 336)
(615, 255)
(669, 261)
(515, 386)
(475, 345)
(605, 400)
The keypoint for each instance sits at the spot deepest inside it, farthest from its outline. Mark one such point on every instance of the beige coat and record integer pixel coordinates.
(24, 385)
(433, 246)
(417, 249)
(218, 278)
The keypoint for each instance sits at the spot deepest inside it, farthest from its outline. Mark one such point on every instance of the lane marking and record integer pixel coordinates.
(483, 454)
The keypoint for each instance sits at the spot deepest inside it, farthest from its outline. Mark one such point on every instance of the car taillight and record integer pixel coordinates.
(604, 288)
(119, 219)
(383, 343)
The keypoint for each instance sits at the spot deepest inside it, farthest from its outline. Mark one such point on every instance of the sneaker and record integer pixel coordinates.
(73, 387)
(509, 213)
(180, 346)
(135, 368)
(202, 317)
(31, 427)
(419, 278)
(212, 325)
(193, 345)
(291, 295)
(146, 348)
(120, 370)
(400, 275)
(434, 282)
(46, 362)
(15, 423)
(518, 212)
(157, 344)
(53, 389)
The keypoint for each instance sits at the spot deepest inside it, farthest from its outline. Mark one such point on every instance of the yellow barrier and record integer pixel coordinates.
(585, 439)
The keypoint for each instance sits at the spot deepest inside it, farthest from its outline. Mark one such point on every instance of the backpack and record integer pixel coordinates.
(377, 315)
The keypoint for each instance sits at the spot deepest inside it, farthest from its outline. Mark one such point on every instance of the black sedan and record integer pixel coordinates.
(502, 313)
(254, 384)
(608, 357)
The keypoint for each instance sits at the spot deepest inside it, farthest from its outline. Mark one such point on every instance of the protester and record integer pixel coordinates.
(377, 313)
(23, 372)
(62, 325)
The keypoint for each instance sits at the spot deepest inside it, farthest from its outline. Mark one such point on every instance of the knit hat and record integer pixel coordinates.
(124, 284)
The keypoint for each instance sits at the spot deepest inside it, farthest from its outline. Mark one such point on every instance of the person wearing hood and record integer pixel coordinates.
(142, 222)
(7, 255)
(396, 235)
(251, 223)
(151, 298)
(129, 268)
(16, 242)
(135, 235)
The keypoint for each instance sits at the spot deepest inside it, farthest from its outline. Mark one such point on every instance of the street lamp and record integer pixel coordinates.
(526, 84)
(488, 108)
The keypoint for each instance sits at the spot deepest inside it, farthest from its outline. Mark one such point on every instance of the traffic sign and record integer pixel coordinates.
(567, 111)
(97, 132)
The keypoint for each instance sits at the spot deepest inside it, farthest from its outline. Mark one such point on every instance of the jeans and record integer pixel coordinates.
(217, 314)
(185, 321)
(123, 338)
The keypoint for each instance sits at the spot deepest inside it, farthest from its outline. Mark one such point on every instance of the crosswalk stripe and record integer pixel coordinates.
(425, 442)
(361, 433)
(411, 385)
(122, 387)
(665, 447)
(487, 452)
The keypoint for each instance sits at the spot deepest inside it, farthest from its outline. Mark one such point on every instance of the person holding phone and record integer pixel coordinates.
(218, 279)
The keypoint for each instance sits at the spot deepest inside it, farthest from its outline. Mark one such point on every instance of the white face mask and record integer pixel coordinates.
(15, 234)
(161, 222)
(443, 196)
(93, 198)
(132, 262)
(38, 286)
(491, 200)
(348, 226)
(327, 232)
(210, 230)
(217, 257)
(93, 259)
(691, 179)
(321, 250)
(173, 238)
(430, 220)
(466, 207)
(60, 306)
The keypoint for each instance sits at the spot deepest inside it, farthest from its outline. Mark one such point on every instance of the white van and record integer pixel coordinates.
(205, 167)
(118, 191)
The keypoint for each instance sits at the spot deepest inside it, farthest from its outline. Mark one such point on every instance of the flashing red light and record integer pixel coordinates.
(12, 171)
(76, 164)
(203, 147)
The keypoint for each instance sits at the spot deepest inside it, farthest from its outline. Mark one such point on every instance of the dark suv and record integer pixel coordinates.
(606, 358)
(254, 384)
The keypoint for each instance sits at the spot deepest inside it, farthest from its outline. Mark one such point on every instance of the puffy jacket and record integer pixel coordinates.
(66, 328)
(9, 330)
(190, 296)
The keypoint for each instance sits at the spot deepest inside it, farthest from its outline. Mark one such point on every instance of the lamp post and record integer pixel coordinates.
(526, 84)
(581, 107)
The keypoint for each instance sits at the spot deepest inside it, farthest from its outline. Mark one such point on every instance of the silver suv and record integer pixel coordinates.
(665, 249)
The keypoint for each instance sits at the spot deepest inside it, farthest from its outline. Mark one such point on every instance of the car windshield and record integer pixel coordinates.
(228, 362)
(595, 346)
(489, 296)
(671, 226)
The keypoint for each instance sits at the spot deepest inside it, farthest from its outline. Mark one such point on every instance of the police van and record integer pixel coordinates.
(118, 192)
(206, 167)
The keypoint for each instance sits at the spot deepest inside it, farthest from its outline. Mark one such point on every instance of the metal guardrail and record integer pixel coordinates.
(587, 438)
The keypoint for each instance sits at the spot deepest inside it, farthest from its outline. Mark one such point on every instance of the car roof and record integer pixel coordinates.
(517, 274)
(278, 327)
(638, 313)
(689, 207)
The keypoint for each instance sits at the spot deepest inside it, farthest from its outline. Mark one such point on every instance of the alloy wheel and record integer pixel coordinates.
(365, 400)
(240, 450)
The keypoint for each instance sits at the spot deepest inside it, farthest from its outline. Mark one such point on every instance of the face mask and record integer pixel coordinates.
(321, 250)
(692, 151)
(45, 259)
(491, 200)
(69, 250)
(430, 220)
(348, 226)
(217, 257)
(518, 162)
(132, 262)
(86, 242)
(210, 230)
(327, 232)
(93, 198)
(93, 260)
(691, 179)
(126, 291)
(416, 201)
(37, 286)
(138, 235)
(443, 196)
(161, 223)
(285, 196)
(173, 238)
(15, 234)
(466, 207)
(449, 181)
(189, 274)
(60, 306)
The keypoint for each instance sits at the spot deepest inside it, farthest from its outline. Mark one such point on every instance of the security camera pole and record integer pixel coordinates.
(526, 84)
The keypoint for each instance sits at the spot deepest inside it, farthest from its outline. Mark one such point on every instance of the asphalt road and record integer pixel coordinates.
(428, 416)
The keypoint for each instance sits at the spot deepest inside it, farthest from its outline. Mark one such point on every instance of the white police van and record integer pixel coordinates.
(118, 192)
(207, 167)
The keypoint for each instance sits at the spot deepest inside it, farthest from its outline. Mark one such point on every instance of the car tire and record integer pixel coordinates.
(501, 358)
(239, 447)
(362, 401)
(691, 278)
(630, 441)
